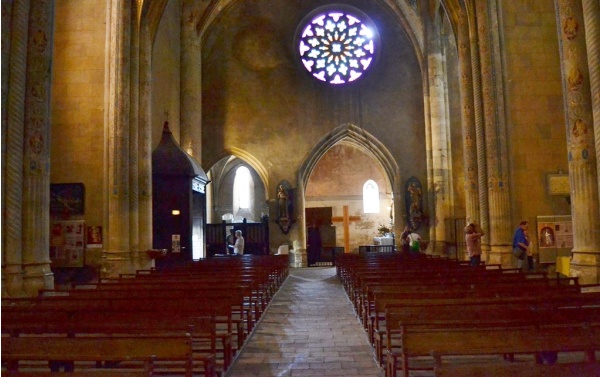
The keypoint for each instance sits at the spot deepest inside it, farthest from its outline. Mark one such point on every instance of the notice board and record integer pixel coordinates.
(555, 237)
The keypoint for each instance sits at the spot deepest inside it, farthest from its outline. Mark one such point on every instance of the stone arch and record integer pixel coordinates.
(357, 136)
(222, 167)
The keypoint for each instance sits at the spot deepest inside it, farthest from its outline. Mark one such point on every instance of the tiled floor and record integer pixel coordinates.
(309, 329)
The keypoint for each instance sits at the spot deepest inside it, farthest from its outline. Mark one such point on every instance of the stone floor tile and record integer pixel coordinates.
(309, 329)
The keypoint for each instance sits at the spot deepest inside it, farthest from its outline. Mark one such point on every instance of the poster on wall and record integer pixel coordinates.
(67, 243)
(94, 237)
(555, 237)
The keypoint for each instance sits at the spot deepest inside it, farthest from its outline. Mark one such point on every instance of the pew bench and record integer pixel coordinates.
(590, 369)
(480, 315)
(148, 354)
(374, 315)
(491, 341)
(86, 373)
(66, 316)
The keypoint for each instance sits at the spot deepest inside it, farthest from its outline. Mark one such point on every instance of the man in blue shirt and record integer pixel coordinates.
(520, 244)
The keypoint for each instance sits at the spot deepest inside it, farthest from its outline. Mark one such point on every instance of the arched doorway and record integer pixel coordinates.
(334, 175)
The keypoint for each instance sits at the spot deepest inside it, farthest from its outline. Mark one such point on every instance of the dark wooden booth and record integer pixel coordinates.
(178, 202)
(256, 237)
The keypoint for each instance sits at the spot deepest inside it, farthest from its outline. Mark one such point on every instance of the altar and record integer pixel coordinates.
(383, 241)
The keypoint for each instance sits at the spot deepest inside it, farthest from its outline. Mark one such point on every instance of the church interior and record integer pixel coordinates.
(488, 109)
(137, 134)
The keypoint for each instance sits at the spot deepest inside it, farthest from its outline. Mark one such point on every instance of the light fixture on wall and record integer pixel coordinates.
(175, 212)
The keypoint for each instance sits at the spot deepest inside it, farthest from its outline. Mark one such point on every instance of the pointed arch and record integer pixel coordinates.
(352, 134)
(254, 163)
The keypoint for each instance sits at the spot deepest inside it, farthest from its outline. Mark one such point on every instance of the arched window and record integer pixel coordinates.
(371, 197)
(243, 186)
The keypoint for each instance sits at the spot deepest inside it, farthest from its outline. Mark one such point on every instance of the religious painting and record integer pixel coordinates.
(414, 202)
(67, 199)
(94, 237)
(67, 243)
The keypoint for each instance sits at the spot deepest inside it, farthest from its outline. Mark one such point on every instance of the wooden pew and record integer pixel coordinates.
(141, 353)
(373, 315)
(69, 315)
(591, 369)
(241, 315)
(497, 341)
(438, 329)
(86, 373)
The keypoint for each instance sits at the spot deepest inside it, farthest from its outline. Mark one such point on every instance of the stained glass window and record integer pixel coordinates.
(337, 45)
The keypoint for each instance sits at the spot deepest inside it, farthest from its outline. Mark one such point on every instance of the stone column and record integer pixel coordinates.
(479, 132)
(145, 146)
(437, 103)
(580, 140)
(134, 126)
(591, 16)
(117, 253)
(191, 79)
(36, 149)
(468, 120)
(499, 228)
(14, 65)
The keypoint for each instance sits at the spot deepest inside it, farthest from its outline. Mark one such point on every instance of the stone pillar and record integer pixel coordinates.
(36, 150)
(134, 126)
(580, 140)
(145, 147)
(117, 256)
(191, 79)
(498, 210)
(591, 16)
(299, 211)
(479, 132)
(437, 103)
(468, 120)
(14, 66)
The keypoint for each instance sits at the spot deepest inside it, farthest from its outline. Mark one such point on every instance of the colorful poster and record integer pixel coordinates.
(94, 237)
(67, 243)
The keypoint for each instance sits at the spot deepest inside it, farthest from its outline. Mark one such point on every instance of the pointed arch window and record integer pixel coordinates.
(243, 187)
(370, 197)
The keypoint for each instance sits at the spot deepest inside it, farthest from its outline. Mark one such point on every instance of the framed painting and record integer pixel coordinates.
(67, 199)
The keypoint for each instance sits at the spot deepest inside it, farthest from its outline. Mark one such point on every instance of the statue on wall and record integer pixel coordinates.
(282, 202)
(285, 206)
(414, 202)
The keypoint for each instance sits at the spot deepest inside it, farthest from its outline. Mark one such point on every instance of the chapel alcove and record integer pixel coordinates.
(336, 183)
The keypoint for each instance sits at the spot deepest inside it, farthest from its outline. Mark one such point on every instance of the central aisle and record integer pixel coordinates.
(309, 329)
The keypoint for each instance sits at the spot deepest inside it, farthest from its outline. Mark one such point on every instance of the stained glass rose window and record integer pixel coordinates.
(337, 44)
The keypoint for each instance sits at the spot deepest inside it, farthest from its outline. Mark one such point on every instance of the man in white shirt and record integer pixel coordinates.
(238, 248)
(414, 241)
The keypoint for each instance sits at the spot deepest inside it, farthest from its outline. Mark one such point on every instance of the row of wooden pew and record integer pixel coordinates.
(187, 320)
(421, 312)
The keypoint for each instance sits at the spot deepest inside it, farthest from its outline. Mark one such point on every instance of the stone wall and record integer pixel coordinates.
(534, 107)
(77, 153)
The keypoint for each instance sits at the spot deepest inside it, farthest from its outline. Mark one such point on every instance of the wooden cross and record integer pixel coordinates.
(346, 219)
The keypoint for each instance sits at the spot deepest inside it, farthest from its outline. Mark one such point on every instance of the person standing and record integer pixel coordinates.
(529, 252)
(404, 240)
(473, 234)
(230, 241)
(520, 244)
(414, 242)
(238, 247)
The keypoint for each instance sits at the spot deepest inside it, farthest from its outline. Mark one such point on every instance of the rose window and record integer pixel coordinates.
(337, 45)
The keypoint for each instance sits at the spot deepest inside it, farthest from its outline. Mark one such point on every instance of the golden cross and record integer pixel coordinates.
(346, 219)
